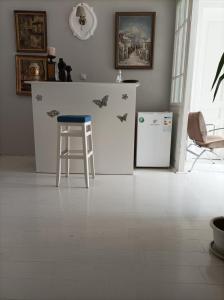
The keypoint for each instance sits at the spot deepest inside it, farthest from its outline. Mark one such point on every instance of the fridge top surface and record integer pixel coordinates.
(155, 112)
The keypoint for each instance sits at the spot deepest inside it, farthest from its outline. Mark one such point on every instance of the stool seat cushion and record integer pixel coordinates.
(74, 118)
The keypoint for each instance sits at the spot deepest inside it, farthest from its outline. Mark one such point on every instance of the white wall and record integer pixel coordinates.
(209, 48)
(94, 57)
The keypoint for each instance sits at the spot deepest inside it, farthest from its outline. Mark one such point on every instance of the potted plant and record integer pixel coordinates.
(218, 77)
(217, 246)
(217, 224)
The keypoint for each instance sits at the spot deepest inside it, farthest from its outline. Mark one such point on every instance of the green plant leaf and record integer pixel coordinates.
(221, 63)
(218, 84)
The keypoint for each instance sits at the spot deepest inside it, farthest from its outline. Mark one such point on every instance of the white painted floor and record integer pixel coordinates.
(215, 166)
(141, 237)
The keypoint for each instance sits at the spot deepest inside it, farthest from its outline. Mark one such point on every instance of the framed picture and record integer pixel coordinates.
(31, 31)
(134, 40)
(29, 68)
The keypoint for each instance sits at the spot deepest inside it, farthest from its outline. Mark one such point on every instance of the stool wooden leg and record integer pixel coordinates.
(92, 156)
(85, 155)
(68, 149)
(59, 144)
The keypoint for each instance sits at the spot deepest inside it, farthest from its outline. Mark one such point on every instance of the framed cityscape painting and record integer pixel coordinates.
(134, 40)
(29, 68)
(31, 31)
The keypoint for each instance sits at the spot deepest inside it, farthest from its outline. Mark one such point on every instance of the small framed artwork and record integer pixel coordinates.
(31, 31)
(29, 68)
(134, 40)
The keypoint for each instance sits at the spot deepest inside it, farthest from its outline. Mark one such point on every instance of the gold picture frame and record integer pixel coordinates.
(31, 31)
(134, 40)
(29, 68)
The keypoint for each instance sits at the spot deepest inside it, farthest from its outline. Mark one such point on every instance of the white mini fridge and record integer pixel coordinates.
(154, 131)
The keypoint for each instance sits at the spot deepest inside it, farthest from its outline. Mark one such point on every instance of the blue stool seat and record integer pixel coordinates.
(74, 119)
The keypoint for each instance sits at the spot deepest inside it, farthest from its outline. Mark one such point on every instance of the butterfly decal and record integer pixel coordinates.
(102, 102)
(125, 96)
(53, 113)
(123, 118)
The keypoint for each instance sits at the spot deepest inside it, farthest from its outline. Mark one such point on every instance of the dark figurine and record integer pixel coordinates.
(69, 69)
(62, 70)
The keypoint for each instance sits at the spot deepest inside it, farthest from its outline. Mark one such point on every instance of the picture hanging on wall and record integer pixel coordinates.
(31, 31)
(29, 68)
(134, 40)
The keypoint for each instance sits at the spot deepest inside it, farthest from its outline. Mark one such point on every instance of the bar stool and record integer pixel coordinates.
(70, 126)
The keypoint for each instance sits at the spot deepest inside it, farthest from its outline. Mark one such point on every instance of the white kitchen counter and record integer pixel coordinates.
(113, 139)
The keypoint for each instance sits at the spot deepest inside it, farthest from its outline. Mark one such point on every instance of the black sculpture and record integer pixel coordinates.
(69, 69)
(62, 70)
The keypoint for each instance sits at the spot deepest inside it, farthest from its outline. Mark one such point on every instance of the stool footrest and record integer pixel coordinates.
(74, 154)
(69, 156)
(75, 133)
(90, 153)
(64, 152)
(76, 151)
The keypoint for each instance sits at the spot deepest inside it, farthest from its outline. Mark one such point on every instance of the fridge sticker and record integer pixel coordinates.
(155, 122)
(167, 124)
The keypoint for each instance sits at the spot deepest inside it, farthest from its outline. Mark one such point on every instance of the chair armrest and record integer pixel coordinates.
(212, 130)
(210, 125)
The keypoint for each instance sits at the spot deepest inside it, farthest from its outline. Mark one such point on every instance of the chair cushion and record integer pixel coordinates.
(74, 119)
(214, 141)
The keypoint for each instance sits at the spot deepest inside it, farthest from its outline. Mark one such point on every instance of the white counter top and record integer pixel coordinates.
(82, 83)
